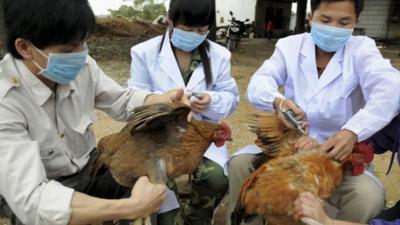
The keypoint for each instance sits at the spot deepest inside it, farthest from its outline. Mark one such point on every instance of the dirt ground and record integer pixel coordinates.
(112, 54)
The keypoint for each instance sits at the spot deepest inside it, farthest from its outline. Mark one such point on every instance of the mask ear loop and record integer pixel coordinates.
(40, 52)
(37, 64)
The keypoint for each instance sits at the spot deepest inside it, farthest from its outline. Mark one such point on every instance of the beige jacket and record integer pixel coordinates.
(45, 136)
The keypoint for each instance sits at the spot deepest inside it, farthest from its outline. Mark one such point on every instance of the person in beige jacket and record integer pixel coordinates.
(49, 89)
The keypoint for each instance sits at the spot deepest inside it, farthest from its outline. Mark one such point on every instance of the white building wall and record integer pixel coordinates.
(242, 9)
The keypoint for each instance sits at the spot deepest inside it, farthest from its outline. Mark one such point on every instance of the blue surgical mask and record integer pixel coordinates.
(63, 68)
(185, 40)
(329, 38)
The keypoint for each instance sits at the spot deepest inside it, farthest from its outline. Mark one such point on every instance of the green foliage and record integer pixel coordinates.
(145, 10)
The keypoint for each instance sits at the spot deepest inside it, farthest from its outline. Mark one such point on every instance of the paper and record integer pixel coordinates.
(169, 203)
(218, 155)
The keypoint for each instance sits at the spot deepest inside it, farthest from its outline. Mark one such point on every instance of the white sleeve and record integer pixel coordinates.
(140, 77)
(264, 84)
(24, 186)
(380, 84)
(224, 94)
(113, 99)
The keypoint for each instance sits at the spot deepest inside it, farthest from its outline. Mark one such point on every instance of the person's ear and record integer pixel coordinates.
(24, 48)
(310, 17)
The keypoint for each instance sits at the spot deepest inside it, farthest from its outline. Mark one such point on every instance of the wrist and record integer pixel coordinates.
(148, 99)
(353, 135)
(128, 209)
(276, 103)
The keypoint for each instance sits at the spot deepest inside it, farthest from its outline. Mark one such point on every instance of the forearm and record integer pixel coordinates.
(339, 222)
(262, 92)
(364, 123)
(88, 210)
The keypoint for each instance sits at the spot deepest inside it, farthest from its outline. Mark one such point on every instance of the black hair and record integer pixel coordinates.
(359, 5)
(192, 13)
(47, 22)
(195, 13)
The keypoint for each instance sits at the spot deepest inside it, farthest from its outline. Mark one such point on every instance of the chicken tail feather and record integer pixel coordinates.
(272, 133)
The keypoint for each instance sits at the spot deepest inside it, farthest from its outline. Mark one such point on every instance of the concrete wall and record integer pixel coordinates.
(374, 18)
(394, 31)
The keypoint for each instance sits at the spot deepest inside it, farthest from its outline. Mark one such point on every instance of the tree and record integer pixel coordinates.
(146, 10)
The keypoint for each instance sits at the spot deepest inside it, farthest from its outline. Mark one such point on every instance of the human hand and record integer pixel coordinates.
(286, 104)
(340, 144)
(146, 198)
(311, 209)
(305, 143)
(200, 103)
(172, 96)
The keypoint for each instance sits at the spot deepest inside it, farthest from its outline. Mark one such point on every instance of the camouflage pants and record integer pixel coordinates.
(208, 187)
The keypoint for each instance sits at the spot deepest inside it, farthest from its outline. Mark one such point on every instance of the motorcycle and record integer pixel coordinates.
(236, 30)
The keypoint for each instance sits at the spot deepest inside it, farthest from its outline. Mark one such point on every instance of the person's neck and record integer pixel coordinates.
(182, 53)
(322, 59)
(321, 54)
(34, 70)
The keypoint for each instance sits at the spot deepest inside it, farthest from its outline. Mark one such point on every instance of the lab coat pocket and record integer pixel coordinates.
(52, 158)
(338, 111)
(47, 150)
(86, 123)
(340, 105)
(84, 135)
(350, 83)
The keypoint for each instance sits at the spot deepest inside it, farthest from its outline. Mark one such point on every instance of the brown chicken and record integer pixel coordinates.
(272, 189)
(158, 142)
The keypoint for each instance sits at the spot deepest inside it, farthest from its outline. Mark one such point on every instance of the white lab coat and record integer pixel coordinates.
(158, 71)
(359, 89)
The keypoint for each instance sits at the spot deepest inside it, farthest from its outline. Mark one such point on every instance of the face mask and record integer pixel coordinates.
(185, 40)
(63, 68)
(329, 38)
